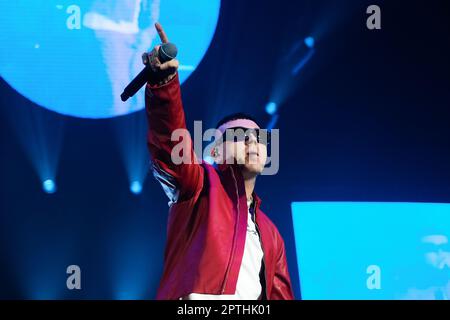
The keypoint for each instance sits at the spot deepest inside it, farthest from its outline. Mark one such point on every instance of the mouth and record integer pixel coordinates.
(253, 153)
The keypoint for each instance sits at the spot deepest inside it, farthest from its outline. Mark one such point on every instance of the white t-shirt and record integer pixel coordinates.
(248, 285)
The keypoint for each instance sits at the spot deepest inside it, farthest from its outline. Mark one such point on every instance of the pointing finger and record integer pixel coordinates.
(162, 34)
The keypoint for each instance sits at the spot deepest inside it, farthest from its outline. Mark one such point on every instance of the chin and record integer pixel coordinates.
(253, 169)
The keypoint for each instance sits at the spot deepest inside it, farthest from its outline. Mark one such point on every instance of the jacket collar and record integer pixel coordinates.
(257, 201)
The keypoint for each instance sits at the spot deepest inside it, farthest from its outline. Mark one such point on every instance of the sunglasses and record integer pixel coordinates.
(236, 134)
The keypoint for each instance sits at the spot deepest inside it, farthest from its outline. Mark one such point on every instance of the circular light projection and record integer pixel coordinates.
(76, 57)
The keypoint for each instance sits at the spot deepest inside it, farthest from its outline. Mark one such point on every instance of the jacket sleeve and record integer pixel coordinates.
(165, 114)
(281, 287)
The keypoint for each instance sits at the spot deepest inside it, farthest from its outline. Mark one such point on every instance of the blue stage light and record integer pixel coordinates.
(136, 187)
(271, 108)
(309, 42)
(49, 186)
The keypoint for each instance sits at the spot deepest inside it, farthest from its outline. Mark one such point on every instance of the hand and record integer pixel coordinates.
(164, 71)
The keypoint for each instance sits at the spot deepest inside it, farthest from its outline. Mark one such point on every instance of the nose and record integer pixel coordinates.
(252, 138)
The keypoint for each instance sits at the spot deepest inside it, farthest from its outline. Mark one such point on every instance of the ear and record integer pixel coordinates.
(214, 152)
(216, 155)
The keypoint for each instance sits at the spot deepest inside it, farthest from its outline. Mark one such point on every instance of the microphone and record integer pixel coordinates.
(166, 52)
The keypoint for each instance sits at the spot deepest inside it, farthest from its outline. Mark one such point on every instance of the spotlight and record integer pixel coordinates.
(49, 186)
(309, 42)
(271, 108)
(136, 187)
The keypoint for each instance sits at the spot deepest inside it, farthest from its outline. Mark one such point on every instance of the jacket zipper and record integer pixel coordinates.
(264, 255)
(235, 233)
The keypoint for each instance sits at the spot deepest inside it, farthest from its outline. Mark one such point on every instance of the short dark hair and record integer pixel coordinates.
(235, 116)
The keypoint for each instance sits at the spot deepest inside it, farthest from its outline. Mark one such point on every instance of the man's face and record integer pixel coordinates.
(437, 256)
(244, 143)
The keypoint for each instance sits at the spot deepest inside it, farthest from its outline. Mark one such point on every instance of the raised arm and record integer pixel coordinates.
(165, 114)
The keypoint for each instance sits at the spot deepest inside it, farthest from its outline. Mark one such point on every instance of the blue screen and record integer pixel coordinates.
(358, 250)
(76, 57)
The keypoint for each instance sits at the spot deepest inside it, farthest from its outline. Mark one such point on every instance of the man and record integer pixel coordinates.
(434, 280)
(220, 245)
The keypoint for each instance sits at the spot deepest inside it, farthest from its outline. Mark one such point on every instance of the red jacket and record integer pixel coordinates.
(207, 220)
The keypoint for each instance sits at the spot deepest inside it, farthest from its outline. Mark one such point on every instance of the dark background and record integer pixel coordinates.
(367, 119)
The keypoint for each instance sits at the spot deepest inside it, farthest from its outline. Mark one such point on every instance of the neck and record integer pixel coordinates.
(249, 182)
